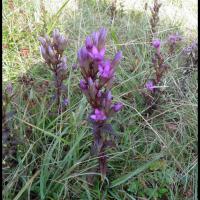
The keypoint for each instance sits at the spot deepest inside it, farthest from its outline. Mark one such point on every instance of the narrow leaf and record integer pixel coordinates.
(126, 177)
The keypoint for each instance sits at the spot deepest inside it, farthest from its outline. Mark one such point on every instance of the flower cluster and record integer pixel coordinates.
(173, 39)
(52, 51)
(98, 76)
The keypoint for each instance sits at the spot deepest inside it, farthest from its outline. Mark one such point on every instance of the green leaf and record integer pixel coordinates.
(126, 177)
(151, 192)
(160, 164)
(134, 187)
(163, 190)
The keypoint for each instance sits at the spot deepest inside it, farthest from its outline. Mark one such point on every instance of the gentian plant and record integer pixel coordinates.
(152, 85)
(52, 51)
(98, 76)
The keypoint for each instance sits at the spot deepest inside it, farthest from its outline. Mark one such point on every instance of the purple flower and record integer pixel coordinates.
(105, 69)
(82, 56)
(174, 38)
(117, 58)
(95, 54)
(98, 115)
(83, 85)
(50, 51)
(150, 86)
(102, 38)
(117, 107)
(65, 102)
(156, 43)
(43, 52)
(88, 43)
(95, 37)
(42, 41)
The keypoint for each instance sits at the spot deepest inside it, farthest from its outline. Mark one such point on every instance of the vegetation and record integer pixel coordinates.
(156, 153)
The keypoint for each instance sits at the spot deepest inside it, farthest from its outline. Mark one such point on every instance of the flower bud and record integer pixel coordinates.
(117, 107)
(117, 58)
(50, 51)
(55, 34)
(95, 37)
(98, 115)
(43, 52)
(65, 102)
(156, 43)
(150, 86)
(88, 43)
(42, 41)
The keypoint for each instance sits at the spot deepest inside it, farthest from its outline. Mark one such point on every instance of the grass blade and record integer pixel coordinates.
(126, 177)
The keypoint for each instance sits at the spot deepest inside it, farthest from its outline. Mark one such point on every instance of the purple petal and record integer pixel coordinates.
(97, 112)
(100, 68)
(50, 51)
(117, 107)
(102, 37)
(43, 52)
(93, 117)
(88, 43)
(117, 58)
(109, 95)
(42, 40)
(65, 102)
(83, 85)
(82, 54)
(102, 52)
(95, 37)
(156, 43)
(150, 86)
(102, 34)
(55, 33)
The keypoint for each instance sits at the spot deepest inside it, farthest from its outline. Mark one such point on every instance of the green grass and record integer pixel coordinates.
(156, 157)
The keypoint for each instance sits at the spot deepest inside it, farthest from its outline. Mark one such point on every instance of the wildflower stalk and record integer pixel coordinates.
(52, 51)
(160, 68)
(98, 76)
(155, 18)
